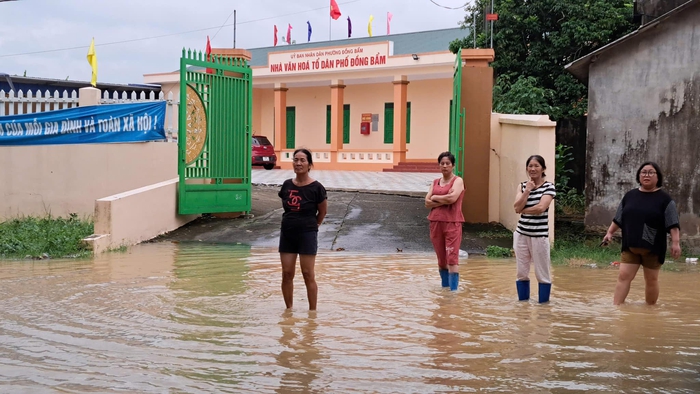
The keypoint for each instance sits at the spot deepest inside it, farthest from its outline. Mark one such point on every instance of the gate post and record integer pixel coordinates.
(477, 104)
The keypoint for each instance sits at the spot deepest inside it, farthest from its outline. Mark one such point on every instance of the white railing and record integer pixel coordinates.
(134, 97)
(18, 104)
(318, 156)
(366, 157)
(345, 157)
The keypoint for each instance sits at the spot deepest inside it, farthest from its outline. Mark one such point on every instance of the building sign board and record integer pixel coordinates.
(355, 57)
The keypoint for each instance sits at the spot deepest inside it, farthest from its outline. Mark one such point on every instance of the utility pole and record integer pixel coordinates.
(474, 28)
(491, 25)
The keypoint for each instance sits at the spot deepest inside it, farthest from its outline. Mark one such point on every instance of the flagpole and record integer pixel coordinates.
(330, 21)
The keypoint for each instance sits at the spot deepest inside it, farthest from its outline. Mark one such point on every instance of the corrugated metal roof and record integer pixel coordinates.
(404, 44)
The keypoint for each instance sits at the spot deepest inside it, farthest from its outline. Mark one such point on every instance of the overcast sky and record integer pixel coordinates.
(51, 25)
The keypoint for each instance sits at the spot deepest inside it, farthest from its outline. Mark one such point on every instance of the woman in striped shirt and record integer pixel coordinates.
(531, 239)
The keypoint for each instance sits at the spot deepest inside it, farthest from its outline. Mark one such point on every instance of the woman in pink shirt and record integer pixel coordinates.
(444, 200)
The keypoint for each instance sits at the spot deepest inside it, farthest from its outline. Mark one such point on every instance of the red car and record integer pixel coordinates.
(263, 152)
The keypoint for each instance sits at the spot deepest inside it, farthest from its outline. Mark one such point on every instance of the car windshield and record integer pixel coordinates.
(261, 141)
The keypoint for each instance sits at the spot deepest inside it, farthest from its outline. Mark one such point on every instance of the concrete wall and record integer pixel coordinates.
(63, 179)
(137, 215)
(644, 104)
(652, 9)
(514, 138)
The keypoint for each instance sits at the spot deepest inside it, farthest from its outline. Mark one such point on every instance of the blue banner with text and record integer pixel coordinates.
(135, 122)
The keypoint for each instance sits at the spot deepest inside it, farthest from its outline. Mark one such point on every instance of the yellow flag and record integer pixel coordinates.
(92, 59)
(369, 25)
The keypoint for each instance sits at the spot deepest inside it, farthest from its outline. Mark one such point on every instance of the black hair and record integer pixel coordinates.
(447, 155)
(307, 153)
(659, 175)
(539, 159)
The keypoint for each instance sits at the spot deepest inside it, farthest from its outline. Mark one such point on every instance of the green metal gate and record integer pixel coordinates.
(214, 137)
(457, 117)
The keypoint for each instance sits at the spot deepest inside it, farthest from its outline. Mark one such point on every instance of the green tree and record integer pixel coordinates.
(535, 39)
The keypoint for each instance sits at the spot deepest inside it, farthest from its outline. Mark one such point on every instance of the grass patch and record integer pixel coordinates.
(584, 251)
(48, 237)
(498, 252)
(495, 234)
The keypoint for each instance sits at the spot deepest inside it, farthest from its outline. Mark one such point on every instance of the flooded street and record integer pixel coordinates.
(206, 318)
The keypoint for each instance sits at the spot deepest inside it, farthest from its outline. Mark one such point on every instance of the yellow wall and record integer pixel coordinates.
(430, 118)
(310, 106)
(429, 115)
(368, 98)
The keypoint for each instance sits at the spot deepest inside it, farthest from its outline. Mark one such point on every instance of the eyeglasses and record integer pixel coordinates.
(647, 173)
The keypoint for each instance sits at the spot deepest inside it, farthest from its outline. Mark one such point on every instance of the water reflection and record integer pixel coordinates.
(299, 361)
(210, 318)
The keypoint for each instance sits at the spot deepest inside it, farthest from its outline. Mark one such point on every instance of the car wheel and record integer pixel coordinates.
(269, 166)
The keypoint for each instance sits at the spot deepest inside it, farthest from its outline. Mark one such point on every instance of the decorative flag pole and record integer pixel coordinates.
(92, 59)
(349, 28)
(309, 29)
(369, 25)
(274, 40)
(207, 51)
(388, 22)
(335, 14)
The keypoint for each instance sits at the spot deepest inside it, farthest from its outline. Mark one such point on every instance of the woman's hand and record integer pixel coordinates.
(607, 239)
(675, 250)
(530, 185)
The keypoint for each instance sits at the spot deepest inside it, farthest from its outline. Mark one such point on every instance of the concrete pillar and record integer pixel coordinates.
(337, 102)
(400, 109)
(280, 119)
(89, 96)
(477, 102)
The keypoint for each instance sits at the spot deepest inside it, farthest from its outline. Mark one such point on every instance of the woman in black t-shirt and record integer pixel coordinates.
(305, 204)
(645, 215)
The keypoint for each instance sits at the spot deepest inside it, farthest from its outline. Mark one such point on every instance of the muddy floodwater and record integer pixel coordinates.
(183, 317)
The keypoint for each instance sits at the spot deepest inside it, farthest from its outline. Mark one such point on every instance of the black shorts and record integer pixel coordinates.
(299, 242)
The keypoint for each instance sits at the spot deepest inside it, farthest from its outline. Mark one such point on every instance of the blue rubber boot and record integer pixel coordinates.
(444, 276)
(454, 281)
(523, 287)
(544, 290)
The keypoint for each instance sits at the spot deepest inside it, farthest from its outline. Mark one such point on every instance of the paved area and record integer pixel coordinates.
(356, 222)
(369, 181)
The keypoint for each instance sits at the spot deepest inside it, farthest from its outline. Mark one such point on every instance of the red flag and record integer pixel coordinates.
(289, 34)
(335, 10)
(275, 39)
(208, 52)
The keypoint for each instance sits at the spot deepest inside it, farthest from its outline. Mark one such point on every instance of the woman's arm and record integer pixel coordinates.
(540, 207)
(521, 199)
(675, 242)
(322, 209)
(428, 199)
(453, 195)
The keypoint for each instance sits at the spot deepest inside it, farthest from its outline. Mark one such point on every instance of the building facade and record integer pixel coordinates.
(357, 104)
